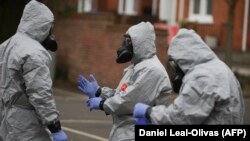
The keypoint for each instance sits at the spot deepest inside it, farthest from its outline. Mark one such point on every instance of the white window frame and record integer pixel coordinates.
(129, 7)
(84, 6)
(202, 17)
(167, 11)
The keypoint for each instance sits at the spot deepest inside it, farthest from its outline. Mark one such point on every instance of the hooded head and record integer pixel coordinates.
(188, 50)
(143, 40)
(36, 21)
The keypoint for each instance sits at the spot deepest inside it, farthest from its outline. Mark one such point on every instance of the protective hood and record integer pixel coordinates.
(188, 50)
(36, 21)
(143, 40)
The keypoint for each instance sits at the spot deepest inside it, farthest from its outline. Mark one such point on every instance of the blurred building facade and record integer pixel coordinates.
(91, 30)
(207, 17)
(88, 43)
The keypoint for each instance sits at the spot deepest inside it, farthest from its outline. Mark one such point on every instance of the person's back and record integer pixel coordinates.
(28, 110)
(210, 80)
(223, 87)
(208, 91)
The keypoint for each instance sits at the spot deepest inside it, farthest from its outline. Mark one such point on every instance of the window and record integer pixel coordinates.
(127, 7)
(84, 6)
(201, 11)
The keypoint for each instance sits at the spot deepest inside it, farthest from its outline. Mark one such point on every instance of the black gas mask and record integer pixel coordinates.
(50, 42)
(125, 52)
(176, 75)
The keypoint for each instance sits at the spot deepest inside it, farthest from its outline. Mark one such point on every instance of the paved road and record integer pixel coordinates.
(247, 114)
(82, 125)
(79, 123)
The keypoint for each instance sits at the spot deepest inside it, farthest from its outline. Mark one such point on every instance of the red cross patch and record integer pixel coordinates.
(124, 87)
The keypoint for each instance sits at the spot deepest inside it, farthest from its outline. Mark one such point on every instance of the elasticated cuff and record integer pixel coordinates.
(98, 92)
(148, 112)
(101, 103)
(54, 127)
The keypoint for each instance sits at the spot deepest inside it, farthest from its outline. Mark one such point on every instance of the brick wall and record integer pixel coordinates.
(218, 28)
(88, 45)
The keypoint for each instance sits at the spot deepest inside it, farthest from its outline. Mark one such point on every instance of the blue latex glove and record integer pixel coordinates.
(59, 136)
(88, 87)
(142, 121)
(140, 110)
(93, 103)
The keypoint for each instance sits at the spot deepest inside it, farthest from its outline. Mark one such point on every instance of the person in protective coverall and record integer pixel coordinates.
(208, 91)
(145, 80)
(28, 109)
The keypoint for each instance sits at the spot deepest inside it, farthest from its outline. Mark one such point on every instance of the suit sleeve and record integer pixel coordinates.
(38, 83)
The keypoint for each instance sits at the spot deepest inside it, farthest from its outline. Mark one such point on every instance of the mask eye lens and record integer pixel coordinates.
(127, 40)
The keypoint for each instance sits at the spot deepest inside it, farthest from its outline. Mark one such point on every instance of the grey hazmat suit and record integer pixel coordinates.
(146, 80)
(209, 94)
(26, 101)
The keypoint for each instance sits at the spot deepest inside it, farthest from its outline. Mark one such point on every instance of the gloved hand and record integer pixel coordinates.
(142, 121)
(94, 103)
(140, 110)
(88, 87)
(59, 136)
